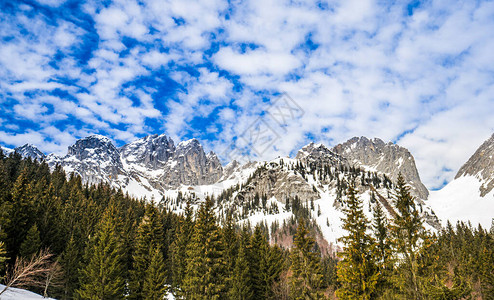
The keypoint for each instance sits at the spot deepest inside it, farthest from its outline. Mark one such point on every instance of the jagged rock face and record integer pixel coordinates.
(229, 169)
(481, 165)
(31, 151)
(152, 151)
(190, 166)
(94, 158)
(213, 166)
(274, 181)
(389, 158)
(153, 158)
(320, 153)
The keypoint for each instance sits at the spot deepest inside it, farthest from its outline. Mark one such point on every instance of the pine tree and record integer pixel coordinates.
(3, 259)
(229, 240)
(241, 285)
(407, 230)
(180, 245)
(70, 262)
(258, 250)
(382, 247)
(155, 278)
(21, 213)
(357, 271)
(205, 268)
(149, 236)
(103, 275)
(31, 244)
(306, 278)
(274, 267)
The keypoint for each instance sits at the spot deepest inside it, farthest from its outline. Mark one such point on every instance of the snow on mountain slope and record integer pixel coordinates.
(388, 158)
(470, 196)
(6, 151)
(460, 200)
(19, 294)
(29, 150)
(277, 189)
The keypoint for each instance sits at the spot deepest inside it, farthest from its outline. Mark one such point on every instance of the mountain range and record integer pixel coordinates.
(156, 168)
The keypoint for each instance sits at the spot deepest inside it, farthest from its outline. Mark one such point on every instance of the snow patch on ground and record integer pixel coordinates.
(19, 294)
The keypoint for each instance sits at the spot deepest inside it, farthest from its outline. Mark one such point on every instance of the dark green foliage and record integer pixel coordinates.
(406, 231)
(70, 263)
(205, 277)
(155, 277)
(229, 240)
(382, 248)
(149, 238)
(306, 280)
(3, 259)
(358, 273)
(241, 284)
(103, 275)
(31, 244)
(180, 245)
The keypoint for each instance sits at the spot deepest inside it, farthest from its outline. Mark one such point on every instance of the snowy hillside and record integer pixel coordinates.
(460, 200)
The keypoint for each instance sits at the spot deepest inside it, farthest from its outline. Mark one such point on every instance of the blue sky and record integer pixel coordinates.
(418, 73)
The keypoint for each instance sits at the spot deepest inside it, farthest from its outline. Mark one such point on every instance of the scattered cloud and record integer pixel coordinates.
(420, 75)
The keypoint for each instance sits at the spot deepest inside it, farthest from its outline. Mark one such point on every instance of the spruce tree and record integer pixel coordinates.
(407, 230)
(102, 277)
(357, 271)
(180, 245)
(205, 268)
(229, 240)
(70, 262)
(149, 236)
(21, 213)
(31, 244)
(274, 267)
(241, 285)
(3, 259)
(155, 277)
(382, 247)
(258, 251)
(306, 278)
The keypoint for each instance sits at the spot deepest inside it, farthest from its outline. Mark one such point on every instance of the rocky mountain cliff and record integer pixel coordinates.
(150, 163)
(31, 151)
(388, 158)
(481, 166)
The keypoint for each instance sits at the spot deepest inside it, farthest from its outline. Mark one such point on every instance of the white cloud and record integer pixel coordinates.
(371, 70)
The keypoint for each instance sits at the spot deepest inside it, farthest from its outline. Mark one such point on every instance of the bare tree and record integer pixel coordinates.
(53, 277)
(29, 272)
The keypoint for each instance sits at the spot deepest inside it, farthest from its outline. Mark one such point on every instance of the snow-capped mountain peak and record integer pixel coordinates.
(29, 150)
(388, 158)
(152, 151)
(481, 166)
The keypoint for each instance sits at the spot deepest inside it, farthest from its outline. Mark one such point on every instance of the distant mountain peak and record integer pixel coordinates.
(388, 158)
(481, 166)
(29, 150)
(319, 152)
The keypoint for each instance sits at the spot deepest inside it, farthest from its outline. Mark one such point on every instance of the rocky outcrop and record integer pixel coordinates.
(272, 180)
(320, 153)
(388, 158)
(481, 166)
(31, 151)
(189, 165)
(153, 159)
(151, 152)
(94, 158)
